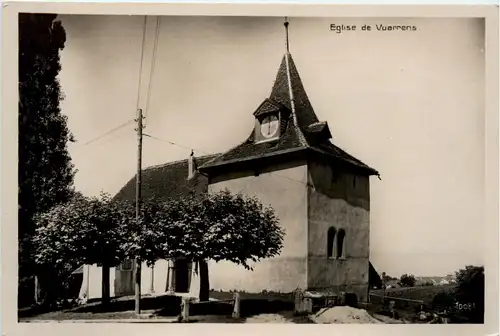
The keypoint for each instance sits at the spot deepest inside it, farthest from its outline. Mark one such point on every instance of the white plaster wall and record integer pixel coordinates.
(284, 188)
(92, 279)
(95, 281)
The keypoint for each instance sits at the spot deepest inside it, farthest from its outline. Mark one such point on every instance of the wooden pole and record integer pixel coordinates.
(152, 283)
(138, 207)
(185, 309)
(236, 309)
(37, 291)
(169, 269)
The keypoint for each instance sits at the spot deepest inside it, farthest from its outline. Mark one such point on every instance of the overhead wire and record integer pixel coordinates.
(141, 62)
(206, 153)
(174, 143)
(138, 92)
(153, 64)
(108, 132)
(149, 89)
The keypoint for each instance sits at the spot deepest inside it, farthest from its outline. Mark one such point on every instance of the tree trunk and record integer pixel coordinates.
(137, 286)
(105, 284)
(37, 291)
(204, 280)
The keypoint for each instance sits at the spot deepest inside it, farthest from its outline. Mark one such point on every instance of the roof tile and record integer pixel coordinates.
(168, 181)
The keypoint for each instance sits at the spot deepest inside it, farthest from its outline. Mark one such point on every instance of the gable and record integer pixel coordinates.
(267, 107)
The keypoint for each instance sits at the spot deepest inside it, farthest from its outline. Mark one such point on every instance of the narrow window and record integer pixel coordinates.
(331, 238)
(340, 244)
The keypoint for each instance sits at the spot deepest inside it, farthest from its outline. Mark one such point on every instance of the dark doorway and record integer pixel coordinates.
(181, 276)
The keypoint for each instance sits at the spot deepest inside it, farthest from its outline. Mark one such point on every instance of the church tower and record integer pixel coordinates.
(319, 192)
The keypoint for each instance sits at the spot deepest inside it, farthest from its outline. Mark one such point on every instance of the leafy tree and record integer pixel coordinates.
(84, 231)
(465, 302)
(218, 226)
(407, 280)
(45, 170)
(469, 292)
(235, 228)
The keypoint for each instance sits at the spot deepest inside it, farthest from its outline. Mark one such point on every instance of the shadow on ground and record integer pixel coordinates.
(170, 305)
(220, 309)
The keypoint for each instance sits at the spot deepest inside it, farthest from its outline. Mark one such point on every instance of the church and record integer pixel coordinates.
(325, 213)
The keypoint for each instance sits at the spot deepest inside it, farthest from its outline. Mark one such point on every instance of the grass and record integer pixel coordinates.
(407, 310)
(118, 308)
(423, 293)
(169, 307)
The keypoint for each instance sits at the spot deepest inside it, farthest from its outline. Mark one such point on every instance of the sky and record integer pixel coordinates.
(408, 103)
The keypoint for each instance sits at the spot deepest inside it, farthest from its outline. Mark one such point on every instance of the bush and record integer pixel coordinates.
(407, 280)
(465, 303)
(469, 293)
(443, 300)
(59, 285)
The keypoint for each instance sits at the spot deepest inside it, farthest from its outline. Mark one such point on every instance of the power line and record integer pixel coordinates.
(142, 58)
(174, 143)
(153, 63)
(106, 142)
(108, 132)
(203, 152)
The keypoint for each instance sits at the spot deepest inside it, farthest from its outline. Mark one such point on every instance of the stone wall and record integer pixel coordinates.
(339, 199)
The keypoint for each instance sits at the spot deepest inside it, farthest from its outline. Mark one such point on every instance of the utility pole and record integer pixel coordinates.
(152, 283)
(138, 207)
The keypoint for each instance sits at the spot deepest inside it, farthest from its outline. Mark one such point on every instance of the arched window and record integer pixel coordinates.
(340, 243)
(331, 238)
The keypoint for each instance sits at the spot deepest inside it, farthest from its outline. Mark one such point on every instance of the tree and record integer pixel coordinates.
(45, 170)
(84, 231)
(407, 280)
(235, 228)
(469, 292)
(218, 226)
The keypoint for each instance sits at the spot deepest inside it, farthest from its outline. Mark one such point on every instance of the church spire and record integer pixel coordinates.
(288, 120)
(290, 86)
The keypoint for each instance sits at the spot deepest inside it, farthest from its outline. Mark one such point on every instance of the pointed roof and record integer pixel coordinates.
(303, 131)
(288, 84)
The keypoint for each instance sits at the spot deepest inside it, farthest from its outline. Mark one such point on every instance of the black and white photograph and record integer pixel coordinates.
(241, 169)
